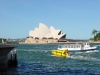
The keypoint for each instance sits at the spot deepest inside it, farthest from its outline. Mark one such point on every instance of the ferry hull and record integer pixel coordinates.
(80, 50)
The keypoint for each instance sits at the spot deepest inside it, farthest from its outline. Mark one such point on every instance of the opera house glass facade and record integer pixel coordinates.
(43, 34)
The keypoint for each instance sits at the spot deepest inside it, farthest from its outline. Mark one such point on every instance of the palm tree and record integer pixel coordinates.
(94, 32)
(97, 37)
(98, 31)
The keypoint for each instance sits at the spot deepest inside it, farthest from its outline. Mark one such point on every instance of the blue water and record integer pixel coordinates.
(38, 60)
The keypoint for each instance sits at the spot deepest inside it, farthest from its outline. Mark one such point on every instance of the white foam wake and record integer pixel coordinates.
(80, 57)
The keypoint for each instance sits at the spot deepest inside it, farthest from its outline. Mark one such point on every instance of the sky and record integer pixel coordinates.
(76, 18)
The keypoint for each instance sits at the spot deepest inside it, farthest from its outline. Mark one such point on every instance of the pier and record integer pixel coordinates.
(8, 56)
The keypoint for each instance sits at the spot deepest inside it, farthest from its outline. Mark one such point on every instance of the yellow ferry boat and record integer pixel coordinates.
(63, 53)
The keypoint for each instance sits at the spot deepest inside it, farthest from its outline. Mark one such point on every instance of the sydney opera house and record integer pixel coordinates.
(43, 34)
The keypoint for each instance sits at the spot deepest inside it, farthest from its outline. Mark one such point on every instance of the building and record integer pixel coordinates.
(43, 34)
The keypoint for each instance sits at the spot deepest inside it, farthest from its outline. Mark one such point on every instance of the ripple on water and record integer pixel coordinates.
(30, 68)
(38, 60)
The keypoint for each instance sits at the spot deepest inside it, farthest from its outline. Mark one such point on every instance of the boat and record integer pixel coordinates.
(78, 47)
(61, 53)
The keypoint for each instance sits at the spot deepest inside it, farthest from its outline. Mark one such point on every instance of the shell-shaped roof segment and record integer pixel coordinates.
(55, 33)
(61, 35)
(43, 30)
(52, 28)
(31, 33)
(49, 35)
(36, 32)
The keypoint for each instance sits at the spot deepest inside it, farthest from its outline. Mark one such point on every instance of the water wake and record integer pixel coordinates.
(87, 58)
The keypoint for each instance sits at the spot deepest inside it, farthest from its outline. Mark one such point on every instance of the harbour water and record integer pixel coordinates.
(38, 60)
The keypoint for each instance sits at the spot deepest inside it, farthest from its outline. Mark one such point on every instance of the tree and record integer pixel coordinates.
(97, 36)
(94, 32)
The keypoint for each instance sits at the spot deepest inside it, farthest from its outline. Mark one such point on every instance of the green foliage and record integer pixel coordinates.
(96, 35)
(94, 32)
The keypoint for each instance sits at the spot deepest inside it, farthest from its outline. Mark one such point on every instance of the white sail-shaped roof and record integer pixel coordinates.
(49, 35)
(55, 33)
(43, 30)
(31, 33)
(61, 35)
(52, 28)
(36, 32)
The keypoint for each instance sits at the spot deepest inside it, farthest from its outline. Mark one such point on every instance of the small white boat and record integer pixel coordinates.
(78, 47)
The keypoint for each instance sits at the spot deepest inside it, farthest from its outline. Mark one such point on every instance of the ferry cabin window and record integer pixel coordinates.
(74, 46)
(63, 46)
(59, 46)
(77, 46)
(80, 46)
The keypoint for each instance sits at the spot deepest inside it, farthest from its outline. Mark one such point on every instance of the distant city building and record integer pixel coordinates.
(43, 34)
